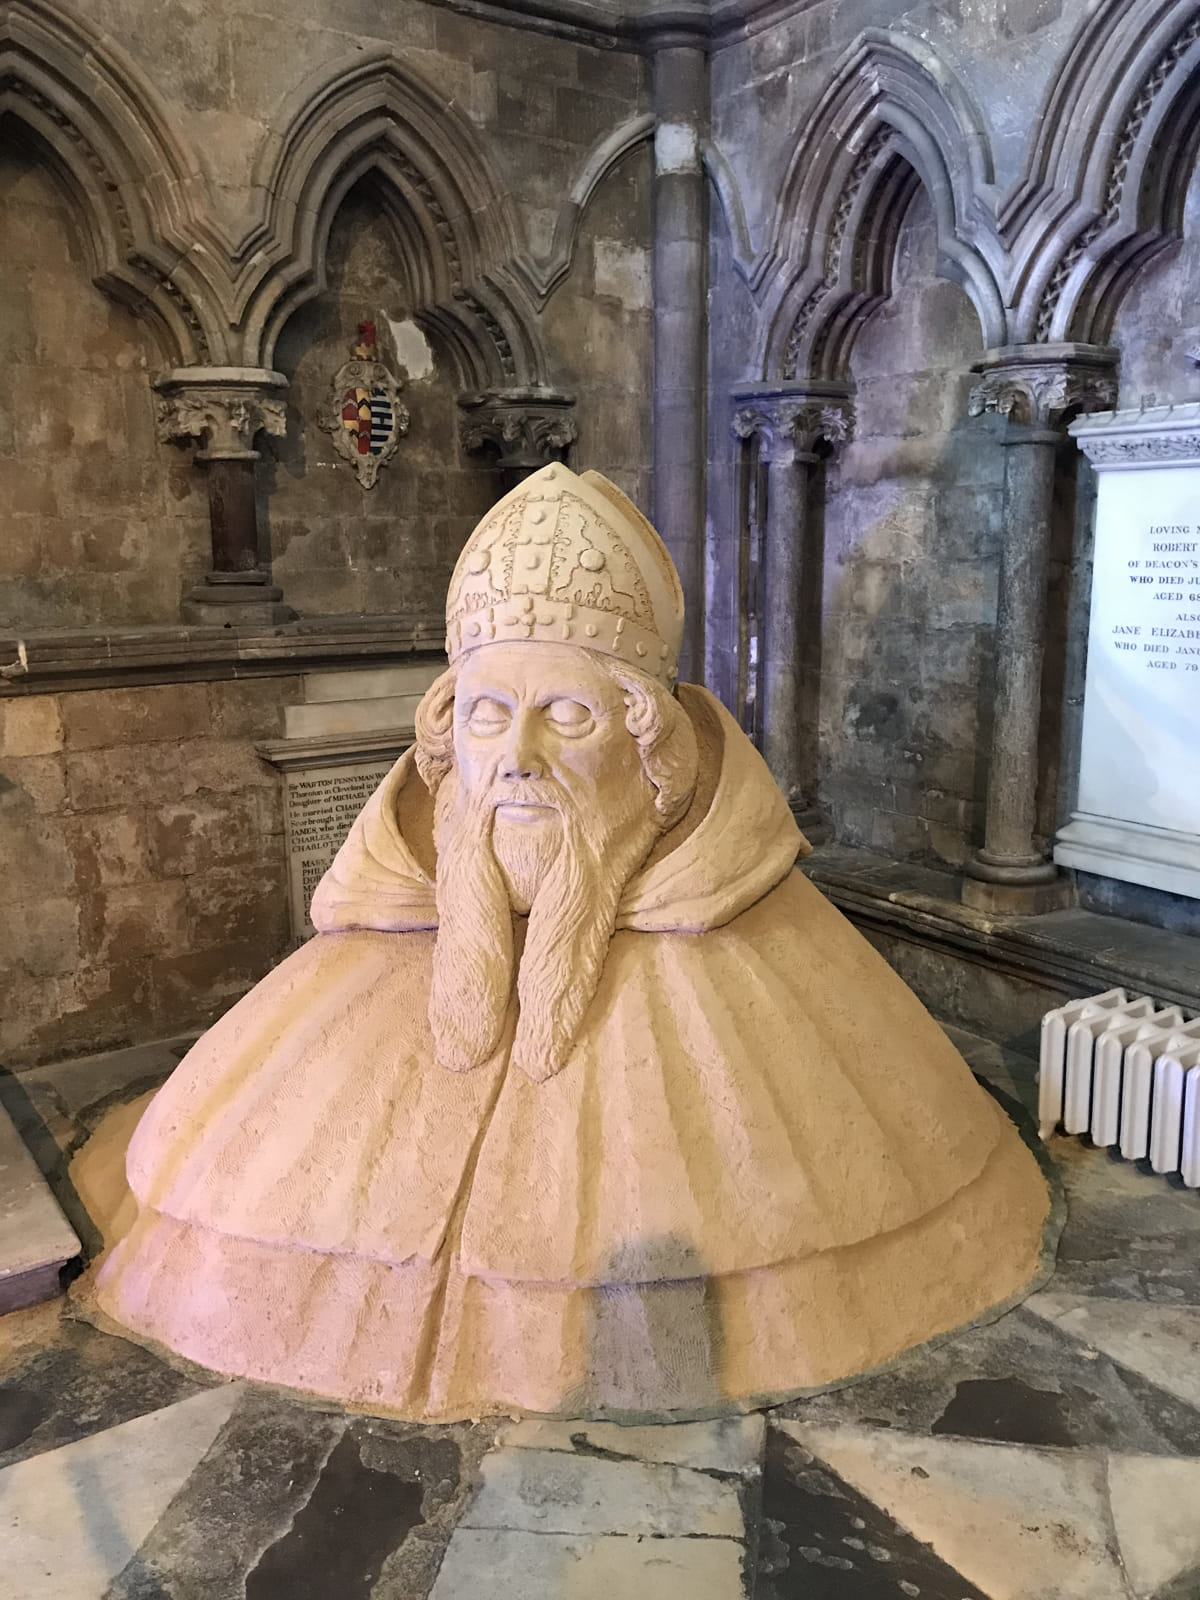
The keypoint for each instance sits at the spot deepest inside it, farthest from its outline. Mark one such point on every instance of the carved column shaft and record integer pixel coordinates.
(679, 63)
(233, 513)
(1036, 388)
(522, 430)
(223, 409)
(1020, 647)
(790, 427)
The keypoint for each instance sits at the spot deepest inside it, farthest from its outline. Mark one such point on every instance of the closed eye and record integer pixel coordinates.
(570, 717)
(488, 716)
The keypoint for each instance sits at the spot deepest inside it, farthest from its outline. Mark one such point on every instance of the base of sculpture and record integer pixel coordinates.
(425, 1343)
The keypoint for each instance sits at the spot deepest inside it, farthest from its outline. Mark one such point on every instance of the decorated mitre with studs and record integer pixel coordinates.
(568, 560)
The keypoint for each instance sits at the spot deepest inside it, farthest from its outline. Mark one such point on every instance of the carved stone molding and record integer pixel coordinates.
(790, 424)
(1147, 438)
(522, 429)
(223, 408)
(1038, 385)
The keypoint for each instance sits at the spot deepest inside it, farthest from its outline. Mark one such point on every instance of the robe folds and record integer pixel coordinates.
(761, 1169)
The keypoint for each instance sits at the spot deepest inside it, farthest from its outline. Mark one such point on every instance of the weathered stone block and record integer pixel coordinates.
(31, 727)
(189, 836)
(142, 919)
(34, 857)
(125, 774)
(109, 849)
(201, 984)
(43, 938)
(237, 905)
(224, 765)
(106, 717)
(250, 708)
(33, 783)
(622, 271)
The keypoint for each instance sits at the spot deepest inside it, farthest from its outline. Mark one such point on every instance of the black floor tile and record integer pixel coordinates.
(823, 1540)
(1019, 1380)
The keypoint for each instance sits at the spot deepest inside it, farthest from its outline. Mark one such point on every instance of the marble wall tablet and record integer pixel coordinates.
(1138, 812)
(341, 741)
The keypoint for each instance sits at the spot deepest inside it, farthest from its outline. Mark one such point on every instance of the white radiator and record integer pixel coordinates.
(1127, 1072)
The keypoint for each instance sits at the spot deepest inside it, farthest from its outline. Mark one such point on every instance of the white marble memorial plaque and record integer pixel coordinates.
(322, 803)
(1138, 812)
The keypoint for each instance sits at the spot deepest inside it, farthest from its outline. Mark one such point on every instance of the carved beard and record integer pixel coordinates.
(571, 878)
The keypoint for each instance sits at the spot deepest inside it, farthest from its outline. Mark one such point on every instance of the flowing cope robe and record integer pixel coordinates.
(762, 1166)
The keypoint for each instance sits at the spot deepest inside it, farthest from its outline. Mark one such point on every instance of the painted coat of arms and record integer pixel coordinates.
(363, 412)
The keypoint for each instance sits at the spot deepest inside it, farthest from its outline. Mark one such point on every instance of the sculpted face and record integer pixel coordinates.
(538, 729)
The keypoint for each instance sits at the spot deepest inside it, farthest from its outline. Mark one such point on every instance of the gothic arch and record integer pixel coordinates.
(545, 273)
(111, 144)
(1106, 179)
(376, 116)
(893, 115)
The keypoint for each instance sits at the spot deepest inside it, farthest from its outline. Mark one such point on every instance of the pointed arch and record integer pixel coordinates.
(1104, 186)
(544, 274)
(372, 114)
(892, 115)
(111, 142)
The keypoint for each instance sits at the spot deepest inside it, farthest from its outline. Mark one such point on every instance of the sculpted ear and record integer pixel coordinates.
(434, 749)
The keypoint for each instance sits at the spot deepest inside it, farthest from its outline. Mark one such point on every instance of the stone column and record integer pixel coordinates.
(790, 424)
(520, 429)
(1038, 388)
(224, 408)
(676, 40)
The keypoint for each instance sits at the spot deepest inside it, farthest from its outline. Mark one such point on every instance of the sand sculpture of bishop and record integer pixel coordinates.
(583, 1100)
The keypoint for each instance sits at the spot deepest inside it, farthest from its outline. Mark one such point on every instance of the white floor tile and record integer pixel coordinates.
(1161, 1343)
(1156, 1512)
(70, 1519)
(1021, 1524)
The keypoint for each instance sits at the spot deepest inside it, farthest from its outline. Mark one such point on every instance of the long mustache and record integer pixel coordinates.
(529, 792)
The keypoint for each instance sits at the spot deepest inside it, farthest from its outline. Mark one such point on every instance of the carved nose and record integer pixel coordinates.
(522, 758)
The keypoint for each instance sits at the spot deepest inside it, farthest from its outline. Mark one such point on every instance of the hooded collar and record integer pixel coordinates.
(742, 845)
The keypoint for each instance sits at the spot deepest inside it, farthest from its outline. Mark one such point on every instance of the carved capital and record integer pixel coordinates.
(221, 408)
(790, 426)
(522, 429)
(1040, 386)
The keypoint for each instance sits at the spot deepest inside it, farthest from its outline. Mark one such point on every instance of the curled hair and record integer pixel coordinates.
(434, 722)
(665, 738)
(663, 731)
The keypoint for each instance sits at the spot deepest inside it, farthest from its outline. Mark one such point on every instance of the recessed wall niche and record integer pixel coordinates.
(102, 525)
(912, 535)
(337, 548)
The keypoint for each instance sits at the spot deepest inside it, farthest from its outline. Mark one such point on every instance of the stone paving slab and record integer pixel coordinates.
(729, 1444)
(510, 1565)
(1016, 1522)
(549, 1491)
(36, 1240)
(71, 1519)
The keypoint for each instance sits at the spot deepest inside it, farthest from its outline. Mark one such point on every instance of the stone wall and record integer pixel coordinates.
(824, 120)
(101, 524)
(143, 861)
(912, 533)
